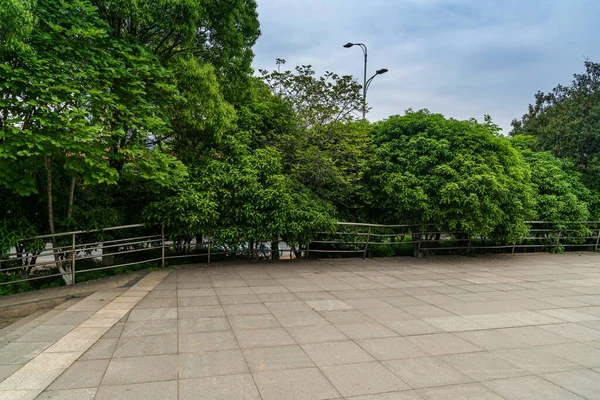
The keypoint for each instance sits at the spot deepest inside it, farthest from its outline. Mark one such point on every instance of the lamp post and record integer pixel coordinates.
(366, 82)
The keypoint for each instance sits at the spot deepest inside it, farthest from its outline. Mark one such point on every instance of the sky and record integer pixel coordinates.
(461, 58)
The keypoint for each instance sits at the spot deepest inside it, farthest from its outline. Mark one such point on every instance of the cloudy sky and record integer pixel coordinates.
(462, 58)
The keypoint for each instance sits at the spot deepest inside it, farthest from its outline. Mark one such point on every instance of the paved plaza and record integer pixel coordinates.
(506, 327)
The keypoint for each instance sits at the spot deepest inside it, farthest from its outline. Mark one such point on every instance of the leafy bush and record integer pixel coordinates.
(13, 287)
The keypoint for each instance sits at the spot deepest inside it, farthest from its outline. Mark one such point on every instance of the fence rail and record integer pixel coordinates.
(40, 257)
(34, 259)
(61, 254)
(363, 237)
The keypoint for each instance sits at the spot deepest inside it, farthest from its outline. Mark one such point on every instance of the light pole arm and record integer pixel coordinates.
(369, 82)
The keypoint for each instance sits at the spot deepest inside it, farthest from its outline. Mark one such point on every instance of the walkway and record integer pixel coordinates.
(514, 327)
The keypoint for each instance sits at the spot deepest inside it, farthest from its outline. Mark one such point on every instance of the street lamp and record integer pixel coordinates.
(366, 82)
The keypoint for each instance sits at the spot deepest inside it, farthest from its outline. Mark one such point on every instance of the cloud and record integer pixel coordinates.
(463, 58)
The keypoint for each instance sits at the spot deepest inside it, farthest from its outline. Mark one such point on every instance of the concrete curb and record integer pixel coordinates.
(25, 308)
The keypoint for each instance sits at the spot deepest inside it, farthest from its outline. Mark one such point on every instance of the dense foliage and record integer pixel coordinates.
(115, 112)
(560, 194)
(566, 121)
(457, 175)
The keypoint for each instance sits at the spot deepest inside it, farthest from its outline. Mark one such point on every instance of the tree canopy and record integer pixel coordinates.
(457, 175)
(566, 121)
(559, 192)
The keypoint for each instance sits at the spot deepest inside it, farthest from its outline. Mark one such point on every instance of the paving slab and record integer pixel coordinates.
(136, 346)
(294, 384)
(82, 374)
(426, 372)
(211, 363)
(239, 387)
(460, 392)
(403, 395)
(363, 378)
(207, 341)
(264, 337)
(335, 353)
(69, 394)
(141, 391)
(391, 348)
(316, 334)
(584, 382)
(277, 358)
(530, 387)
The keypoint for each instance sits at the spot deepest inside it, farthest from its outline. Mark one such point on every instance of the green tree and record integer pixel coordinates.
(566, 121)
(206, 45)
(245, 196)
(216, 32)
(317, 101)
(16, 23)
(199, 115)
(63, 121)
(560, 195)
(313, 122)
(457, 175)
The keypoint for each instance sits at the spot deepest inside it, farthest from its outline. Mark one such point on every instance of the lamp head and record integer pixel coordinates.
(348, 45)
(381, 71)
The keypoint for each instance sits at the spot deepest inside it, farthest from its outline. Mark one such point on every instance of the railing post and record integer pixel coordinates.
(209, 241)
(307, 248)
(597, 240)
(73, 260)
(469, 246)
(367, 244)
(557, 241)
(163, 245)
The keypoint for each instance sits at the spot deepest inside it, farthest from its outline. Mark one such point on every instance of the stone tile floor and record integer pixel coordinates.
(507, 327)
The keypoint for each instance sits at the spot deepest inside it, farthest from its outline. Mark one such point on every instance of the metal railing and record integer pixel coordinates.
(65, 256)
(41, 260)
(360, 238)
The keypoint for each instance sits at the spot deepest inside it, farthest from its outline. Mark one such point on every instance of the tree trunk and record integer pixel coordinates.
(66, 273)
(70, 255)
(71, 198)
(417, 246)
(275, 250)
(250, 252)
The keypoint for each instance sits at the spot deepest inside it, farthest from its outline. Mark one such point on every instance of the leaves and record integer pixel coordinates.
(457, 175)
(88, 101)
(246, 197)
(566, 122)
(560, 194)
(317, 101)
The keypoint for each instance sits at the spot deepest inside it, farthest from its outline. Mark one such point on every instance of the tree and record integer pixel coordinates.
(206, 45)
(242, 197)
(63, 121)
(199, 115)
(16, 23)
(216, 32)
(560, 195)
(324, 146)
(457, 175)
(320, 101)
(566, 121)
(268, 120)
